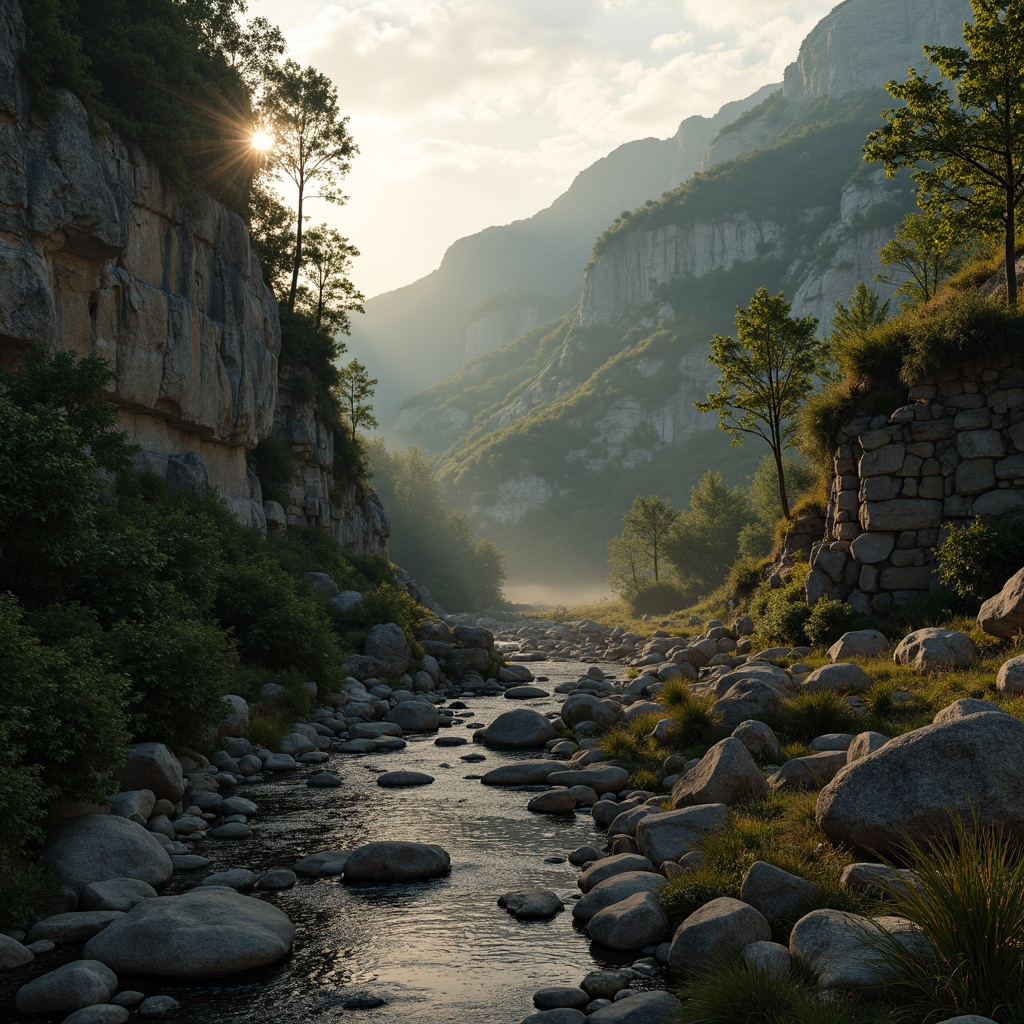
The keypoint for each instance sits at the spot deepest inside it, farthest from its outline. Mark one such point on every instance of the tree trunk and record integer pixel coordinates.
(777, 452)
(1011, 250)
(297, 262)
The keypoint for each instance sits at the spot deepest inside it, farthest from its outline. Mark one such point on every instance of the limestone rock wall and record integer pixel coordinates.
(954, 452)
(354, 516)
(98, 255)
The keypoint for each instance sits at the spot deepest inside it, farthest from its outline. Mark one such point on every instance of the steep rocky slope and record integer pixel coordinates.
(100, 256)
(548, 438)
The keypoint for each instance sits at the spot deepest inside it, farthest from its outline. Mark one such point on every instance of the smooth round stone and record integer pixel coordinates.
(554, 801)
(277, 879)
(473, 758)
(239, 879)
(231, 830)
(41, 946)
(280, 763)
(450, 741)
(238, 805)
(525, 692)
(71, 987)
(104, 1013)
(189, 862)
(204, 933)
(129, 997)
(394, 780)
(115, 894)
(386, 743)
(76, 926)
(394, 861)
(313, 757)
(531, 904)
(362, 1002)
(584, 854)
(322, 865)
(158, 1006)
(557, 997)
(358, 746)
(325, 780)
(98, 847)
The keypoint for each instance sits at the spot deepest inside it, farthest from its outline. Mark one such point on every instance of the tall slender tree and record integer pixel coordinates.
(966, 144)
(312, 146)
(326, 264)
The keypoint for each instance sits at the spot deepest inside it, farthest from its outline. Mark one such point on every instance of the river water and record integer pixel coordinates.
(437, 952)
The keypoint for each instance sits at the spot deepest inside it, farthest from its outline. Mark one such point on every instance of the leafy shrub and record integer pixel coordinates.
(643, 778)
(62, 725)
(385, 604)
(302, 549)
(268, 726)
(657, 599)
(976, 559)
(620, 745)
(969, 903)
(808, 715)
(24, 892)
(746, 575)
(828, 621)
(275, 467)
(179, 669)
(277, 625)
(780, 614)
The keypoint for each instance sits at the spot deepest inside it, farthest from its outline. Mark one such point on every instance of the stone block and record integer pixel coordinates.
(1016, 434)
(972, 419)
(957, 507)
(909, 578)
(869, 579)
(1004, 400)
(870, 548)
(831, 562)
(1011, 468)
(880, 488)
(998, 503)
(932, 430)
(909, 488)
(882, 461)
(912, 465)
(980, 444)
(931, 487)
(922, 449)
(873, 439)
(901, 514)
(931, 467)
(847, 531)
(975, 476)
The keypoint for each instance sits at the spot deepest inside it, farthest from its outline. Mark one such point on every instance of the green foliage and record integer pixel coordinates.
(865, 311)
(737, 993)
(41, 757)
(683, 895)
(828, 621)
(267, 727)
(25, 891)
(277, 624)
(179, 670)
(674, 695)
(766, 375)
(702, 540)
(385, 604)
(969, 904)
(808, 715)
(966, 145)
(927, 248)
(781, 613)
(657, 598)
(694, 725)
(355, 389)
(168, 75)
(327, 295)
(275, 467)
(976, 558)
(757, 538)
(430, 539)
(746, 575)
(638, 553)
(302, 549)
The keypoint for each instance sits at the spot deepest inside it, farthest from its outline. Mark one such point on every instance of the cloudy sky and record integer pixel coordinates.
(470, 113)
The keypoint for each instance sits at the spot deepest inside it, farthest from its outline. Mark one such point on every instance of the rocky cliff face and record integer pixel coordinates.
(100, 256)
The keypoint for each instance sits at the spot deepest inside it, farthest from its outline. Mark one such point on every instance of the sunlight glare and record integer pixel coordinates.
(262, 141)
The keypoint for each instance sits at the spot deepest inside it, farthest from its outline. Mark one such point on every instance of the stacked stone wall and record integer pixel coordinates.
(955, 451)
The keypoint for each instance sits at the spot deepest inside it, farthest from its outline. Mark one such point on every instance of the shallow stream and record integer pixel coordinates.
(437, 952)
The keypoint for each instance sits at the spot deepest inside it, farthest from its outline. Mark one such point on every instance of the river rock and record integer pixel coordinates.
(809, 772)
(859, 643)
(325, 780)
(522, 773)
(632, 923)
(906, 787)
(554, 801)
(639, 1008)
(559, 997)
(614, 890)
(965, 707)
(115, 894)
(80, 983)
(843, 677)
(398, 780)
(758, 738)
(152, 766)
(602, 778)
(531, 904)
(104, 1013)
(1003, 615)
(415, 716)
(770, 957)
(725, 774)
(717, 931)
(276, 880)
(386, 644)
(604, 984)
(670, 835)
(836, 946)
(393, 861)
(13, 953)
(775, 893)
(99, 847)
(525, 692)
(625, 824)
(585, 707)
(864, 743)
(373, 730)
(608, 867)
(325, 864)
(133, 801)
(239, 879)
(747, 698)
(521, 729)
(932, 649)
(204, 933)
(158, 1006)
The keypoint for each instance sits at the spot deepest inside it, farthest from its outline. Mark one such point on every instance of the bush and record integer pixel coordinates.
(828, 621)
(969, 903)
(275, 467)
(808, 715)
(385, 604)
(746, 575)
(62, 725)
(179, 669)
(657, 599)
(780, 614)
(683, 895)
(24, 892)
(976, 559)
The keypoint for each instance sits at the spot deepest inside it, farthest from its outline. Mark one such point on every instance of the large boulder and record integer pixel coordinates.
(521, 729)
(614, 890)
(909, 786)
(392, 861)
(204, 933)
(602, 778)
(725, 774)
(839, 948)
(414, 716)
(758, 738)
(99, 847)
(522, 773)
(669, 835)
(717, 931)
(1010, 677)
(80, 983)
(640, 1008)
(1003, 615)
(607, 867)
(748, 698)
(843, 677)
(386, 644)
(632, 923)
(585, 707)
(152, 766)
(932, 649)
(860, 643)
(775, 893)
